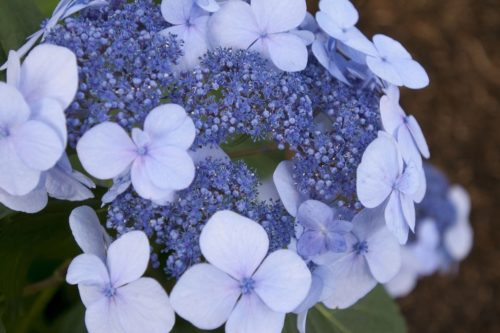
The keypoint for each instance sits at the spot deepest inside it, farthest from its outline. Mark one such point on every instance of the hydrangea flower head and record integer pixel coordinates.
(109, 279)
(263, 26)
(156, 157)
(240, 285)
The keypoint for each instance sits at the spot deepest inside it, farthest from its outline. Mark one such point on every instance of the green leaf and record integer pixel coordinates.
(376, 313)
(19, 19)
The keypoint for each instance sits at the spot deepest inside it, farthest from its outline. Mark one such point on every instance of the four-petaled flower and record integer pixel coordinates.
(405, 129)
(338, 19)
(190, 24)
(373, 256)
(156, 157)
(109, 279)
(265, 26)
(382, 175)
(322, 232)
(395, 65)
(240, 285)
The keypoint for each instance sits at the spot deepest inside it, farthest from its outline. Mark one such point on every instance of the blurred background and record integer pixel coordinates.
(458, 42)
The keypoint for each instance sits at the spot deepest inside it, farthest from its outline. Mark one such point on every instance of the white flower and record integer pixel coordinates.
(264, 26)
(395, 65)
(117, 298)
(240, 285)
(190, 24)
(156, 157)
(382, 176)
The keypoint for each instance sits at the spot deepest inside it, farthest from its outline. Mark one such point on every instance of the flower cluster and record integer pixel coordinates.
(175, 227)
(124, 63)
(149, 95)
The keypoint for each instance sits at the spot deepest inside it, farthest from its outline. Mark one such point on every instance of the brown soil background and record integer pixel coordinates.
(458, 42)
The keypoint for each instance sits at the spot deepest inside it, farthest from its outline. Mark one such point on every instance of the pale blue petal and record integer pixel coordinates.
(234, 25)
(390, 48)
(342, 12)
(282, 281)
(315, 215)
(120, 185)
(209, 5)
(88, 232)
(312, 243)
(15, 177)
(408, 207)
(195, 40)
(408, 149)
(64, 183)
(205, 296)
(37, 145)
(142, 306)
(251, 315)
(30, 203)
(49, 111)
(176, 11)
(313, 296)
(144, 186)
(379, 169)
(384, 70)
(395, 219)
(287, 51)
(418, 136)
(170, 125)
(383, 256)
(391, 113)
(13, 109)
(128, 258)
(412, 74)
(168, 167)
(274, 16)
(49, 71)
(345, 281)
(87, 269)
(234, 244)
(106, 150)
(286, 186)
(13, 69)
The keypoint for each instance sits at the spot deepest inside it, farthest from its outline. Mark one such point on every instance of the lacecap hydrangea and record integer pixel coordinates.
(164, 96)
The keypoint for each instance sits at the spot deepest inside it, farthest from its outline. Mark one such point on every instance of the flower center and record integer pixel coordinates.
(361, 247)
(142, 151)
(4, 132)
(109, 291)
(247, 285)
